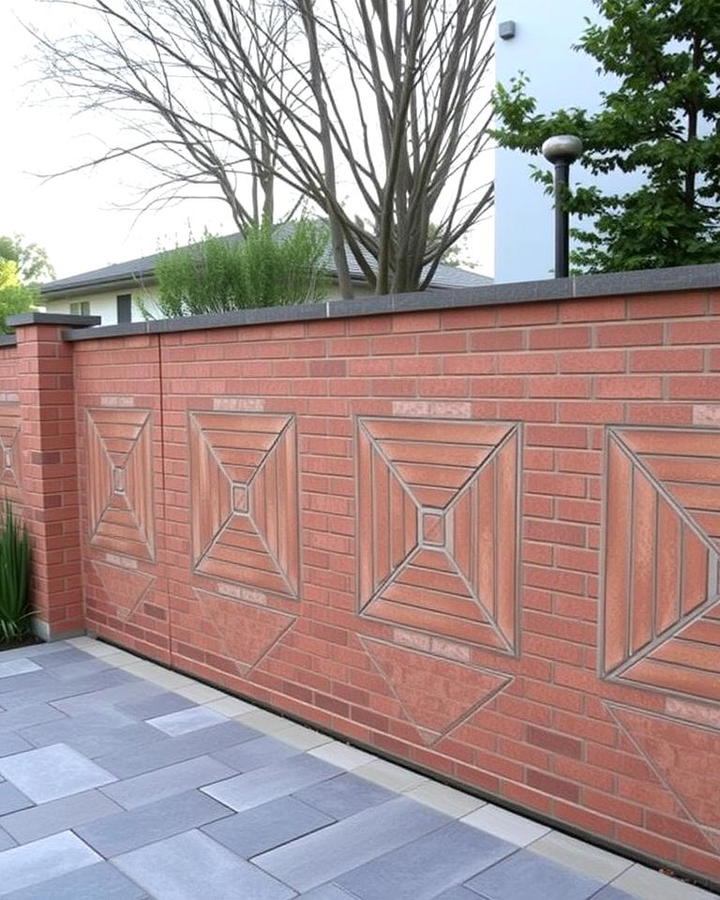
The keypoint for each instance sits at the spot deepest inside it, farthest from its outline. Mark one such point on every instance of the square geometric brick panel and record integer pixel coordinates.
(437, 520)
(9, 443)
(120, 481)
(661, 625)
(244, 499)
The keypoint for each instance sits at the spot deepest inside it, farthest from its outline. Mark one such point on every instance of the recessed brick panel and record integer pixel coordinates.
(243, 486)
(437, 515)
(662, 600)
(120, 486)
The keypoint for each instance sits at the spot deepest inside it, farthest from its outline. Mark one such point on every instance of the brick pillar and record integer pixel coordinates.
(49, 469)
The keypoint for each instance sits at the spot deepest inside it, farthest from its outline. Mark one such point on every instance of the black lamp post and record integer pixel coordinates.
(562, 150)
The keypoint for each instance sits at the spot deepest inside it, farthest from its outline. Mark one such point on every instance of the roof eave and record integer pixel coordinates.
(101, 284)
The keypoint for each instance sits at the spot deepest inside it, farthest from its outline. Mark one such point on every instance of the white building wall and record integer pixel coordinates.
(559, 77)
(104, 304)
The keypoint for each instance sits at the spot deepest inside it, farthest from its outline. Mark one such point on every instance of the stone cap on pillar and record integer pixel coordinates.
(43, 318)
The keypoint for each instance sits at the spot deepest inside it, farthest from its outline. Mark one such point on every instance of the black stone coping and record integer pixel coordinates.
(8, 340)
(683, 278)
(42, 318)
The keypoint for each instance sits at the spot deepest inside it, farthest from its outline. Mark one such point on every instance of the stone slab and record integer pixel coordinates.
(184, 721)
(532, 877)
(255, 754)
(127, 830)
(101, 880)
(169, 751)
(51, 772)
(18, 666)
(324, 855)
(425, 867)
(11, 799)
(506, 825)
(277, 780)
(344, 795)
(192, 865)
(159, 705)
(42, 860)
(264, 827)
(174, 779)
(58, 815)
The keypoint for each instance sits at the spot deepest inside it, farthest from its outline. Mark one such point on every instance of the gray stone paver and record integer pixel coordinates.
(17, 667)
(51, 772)
(101, 881)
(127, 830)
(344, 796)
(423, 868)
(58, 815)
(532, 877)
(11, 799)
(270, 782)
(262, 828)
(185, 721)
(192, 865)
(123, 781)
(42, 860)
(174, 779)
(323, 855)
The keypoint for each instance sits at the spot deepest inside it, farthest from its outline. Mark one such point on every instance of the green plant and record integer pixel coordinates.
(14, 576)
(264, 268)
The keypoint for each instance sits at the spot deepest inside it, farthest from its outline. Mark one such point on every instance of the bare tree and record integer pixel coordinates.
(156, 67)
(385, 101)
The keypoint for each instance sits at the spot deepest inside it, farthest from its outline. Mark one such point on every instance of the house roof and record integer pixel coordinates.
(134, 271)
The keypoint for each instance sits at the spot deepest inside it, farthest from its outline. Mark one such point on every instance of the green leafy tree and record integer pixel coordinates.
(15, 297)
(32, 260)
(662, 121)
(268, 267)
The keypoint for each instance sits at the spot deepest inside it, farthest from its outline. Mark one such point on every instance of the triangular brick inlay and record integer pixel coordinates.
(685, 758)
(247, 631)
(125, 587)
(436, 694)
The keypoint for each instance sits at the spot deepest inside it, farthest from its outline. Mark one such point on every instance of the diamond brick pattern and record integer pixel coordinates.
(120, 481)
(437, 507)
(244, 499)
(662, 600)
(9, 444)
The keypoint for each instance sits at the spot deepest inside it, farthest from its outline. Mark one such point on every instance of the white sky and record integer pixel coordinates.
(76, 217)
(73, 217)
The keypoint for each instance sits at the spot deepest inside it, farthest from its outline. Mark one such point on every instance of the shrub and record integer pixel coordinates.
(265, 268)
(14, 576)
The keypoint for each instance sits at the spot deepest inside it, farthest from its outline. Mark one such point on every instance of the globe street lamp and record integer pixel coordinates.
(562, 150)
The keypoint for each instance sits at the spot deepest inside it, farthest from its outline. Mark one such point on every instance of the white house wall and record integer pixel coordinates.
(559, 77)
(104, 304)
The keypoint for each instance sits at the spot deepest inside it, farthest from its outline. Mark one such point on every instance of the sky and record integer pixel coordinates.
(79, 218)
(76, 217)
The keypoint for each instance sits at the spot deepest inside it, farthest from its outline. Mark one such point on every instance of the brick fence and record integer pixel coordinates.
(482, 540)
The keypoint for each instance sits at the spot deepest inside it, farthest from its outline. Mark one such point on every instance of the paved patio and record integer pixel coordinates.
(121, 780)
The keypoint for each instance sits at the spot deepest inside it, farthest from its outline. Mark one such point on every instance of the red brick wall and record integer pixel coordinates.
(481, 540)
